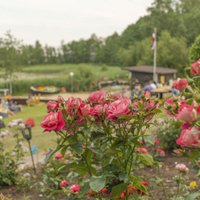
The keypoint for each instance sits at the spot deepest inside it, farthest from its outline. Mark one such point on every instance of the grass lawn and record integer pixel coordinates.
(42, 140)
(102, 71)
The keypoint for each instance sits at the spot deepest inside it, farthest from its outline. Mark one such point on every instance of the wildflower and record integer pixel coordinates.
(193, 184)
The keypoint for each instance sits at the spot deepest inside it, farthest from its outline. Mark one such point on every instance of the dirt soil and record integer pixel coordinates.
(166, 172)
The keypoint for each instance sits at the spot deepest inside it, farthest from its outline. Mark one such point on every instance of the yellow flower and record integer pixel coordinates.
(193, 184)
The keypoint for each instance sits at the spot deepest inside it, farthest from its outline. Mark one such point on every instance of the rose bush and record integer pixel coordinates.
(187, 110)
(102, 138)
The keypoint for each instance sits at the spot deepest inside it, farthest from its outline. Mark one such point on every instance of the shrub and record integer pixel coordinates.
(168, 132)
(8, 166)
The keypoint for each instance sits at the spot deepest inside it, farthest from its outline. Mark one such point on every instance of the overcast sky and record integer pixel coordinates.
(51, 21)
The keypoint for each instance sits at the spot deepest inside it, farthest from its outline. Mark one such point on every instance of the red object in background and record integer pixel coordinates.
(29, 122)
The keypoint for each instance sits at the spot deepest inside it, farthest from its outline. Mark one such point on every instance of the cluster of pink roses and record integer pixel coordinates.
(69, 115)
(115, 119)
(186, 111)
(189, 114)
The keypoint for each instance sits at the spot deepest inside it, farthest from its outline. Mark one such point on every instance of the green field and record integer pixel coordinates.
(102, 71)
(44, 140)
(86, 77)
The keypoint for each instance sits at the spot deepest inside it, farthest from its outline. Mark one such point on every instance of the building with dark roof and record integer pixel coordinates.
(144, 74)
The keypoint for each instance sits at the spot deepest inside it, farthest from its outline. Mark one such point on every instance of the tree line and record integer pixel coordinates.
(177, 23)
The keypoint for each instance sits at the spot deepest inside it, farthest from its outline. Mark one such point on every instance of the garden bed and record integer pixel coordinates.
(167, 172)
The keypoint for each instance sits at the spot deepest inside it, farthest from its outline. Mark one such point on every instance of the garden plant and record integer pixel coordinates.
(103, 140)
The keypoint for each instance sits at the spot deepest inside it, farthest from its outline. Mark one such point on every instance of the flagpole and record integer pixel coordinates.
(155, 57)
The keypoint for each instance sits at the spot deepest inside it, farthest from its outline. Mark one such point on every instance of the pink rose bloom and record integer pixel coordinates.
(58, 155)
(187, 113)
(118, 109)
(189, 138)
(160, 151)
(185, 125)
(73, 103)
(75, 188)
(181, 168)
(63, 184)
(142, 150)
(30, 122)
(52, 106)
(53, 121)
(198, 110)
(84, 110)
(97, 111)
(180, 84)
(97, 97)
(195, 68)
(150, 105)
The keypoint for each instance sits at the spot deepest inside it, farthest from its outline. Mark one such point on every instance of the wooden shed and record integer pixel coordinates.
(144, 74)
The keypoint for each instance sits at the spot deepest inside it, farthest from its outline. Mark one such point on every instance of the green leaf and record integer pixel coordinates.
(123, 177)
(146, 159)
(193, 196)
(118, 189)
(97, 183)
(64, 149)
(88, 155)
(77, 148)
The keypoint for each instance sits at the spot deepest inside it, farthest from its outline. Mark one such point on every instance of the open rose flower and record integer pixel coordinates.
(97, 111)
(118, 109)
(189, 138)
(75, 188)
(72, 105)
(180, 84)
(53, 121)
(187, 113)
(195, 68)
(97, 97)
(29, 122)
(84, 110)
(52, 106)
